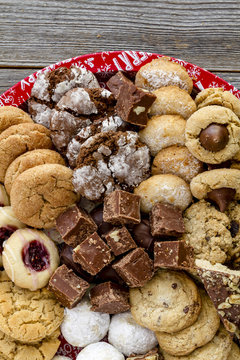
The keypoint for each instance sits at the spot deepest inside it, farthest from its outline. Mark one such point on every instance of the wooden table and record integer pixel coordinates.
(35, 33)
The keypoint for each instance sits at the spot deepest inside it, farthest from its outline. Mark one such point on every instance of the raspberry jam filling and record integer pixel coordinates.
(35, 256)
(5, 233)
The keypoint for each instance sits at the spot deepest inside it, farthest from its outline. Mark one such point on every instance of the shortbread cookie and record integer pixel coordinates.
(198, 334)
(165, 188)
(177, 160)
(163, 131)
(218, 96)
(100, 351)
(19, 139)
(207, 231)
(212, 134)
(29, 160)
(30, 258)
(218, 348)
(11, 115)
(4, 198)
(27, 316)
(42, 193)
(169, 302)
(171, 100)
(234, 353)
(162, 72)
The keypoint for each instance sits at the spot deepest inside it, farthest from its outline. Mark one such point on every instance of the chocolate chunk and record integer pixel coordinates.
(174, 255)
(74, 225)
(116, 81)
(92, 254)
(109, 298)
(97, 216)
(167, 220)
(222, 197)
(121, 207)
(120, 240)
(142, 235)
(109, 274)
(214, 138)
(234, 229)
(67, 286)
(136, 268)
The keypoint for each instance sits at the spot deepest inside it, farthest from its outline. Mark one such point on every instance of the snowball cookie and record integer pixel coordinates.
(100, 351)
(30, 258)
(166, 188)
(4, 198)
(81, 326)
(162, 72)
(129, 337)
(214, 148)
(177, 160)
(218, 96)
(163, 131)
(11, 115)
(172, 101)
(170, 302)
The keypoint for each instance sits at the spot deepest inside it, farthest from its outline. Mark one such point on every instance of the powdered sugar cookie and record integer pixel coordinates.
(100, 351)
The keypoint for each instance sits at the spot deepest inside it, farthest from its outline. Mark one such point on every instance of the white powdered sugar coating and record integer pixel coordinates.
(100, 351)
(73, 151)
(158, 78)
(40, 87)
(105, 93)
(41, 114)
(112, 123)
(129, 337)
(81, 326)
(78, 100)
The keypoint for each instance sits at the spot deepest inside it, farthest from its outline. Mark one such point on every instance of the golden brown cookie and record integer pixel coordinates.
(29, 160)
(4, 198)
(234, 353)
(27, 316)
(42, 193)
(19, 139)
(11, 115)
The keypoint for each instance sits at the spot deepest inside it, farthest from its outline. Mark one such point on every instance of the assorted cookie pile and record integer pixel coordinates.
(120, 218)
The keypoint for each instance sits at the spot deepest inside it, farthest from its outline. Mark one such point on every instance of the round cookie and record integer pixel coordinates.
(163, 131)
(162, 72)
(177, 160)
(234, 353)
(4, 198)
(30, 258)
(14, 350)
(218, 96)
(166, 188)
(218, 348)
(11, 115)
(206, 230)
(226, 146)
(42, 193)
(27, 316)
(171, 100)
(100, 351)
(19, 139)
(233, 213)
(198, 334)
(29, 160)
(169, 302)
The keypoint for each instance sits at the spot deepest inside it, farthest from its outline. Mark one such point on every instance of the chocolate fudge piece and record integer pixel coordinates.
(121, 207)
(142, 235)
(223, 287)
(136, 268)
(67, 286)
(92, 254)
(74, 225)
(97, 216)
(116, 81)
(173, 254)
(109, 298)
(109, 274)
(166, 219)
(120, 240)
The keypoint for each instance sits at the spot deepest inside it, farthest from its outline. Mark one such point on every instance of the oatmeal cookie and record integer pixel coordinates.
(233, 212)
(11, 115)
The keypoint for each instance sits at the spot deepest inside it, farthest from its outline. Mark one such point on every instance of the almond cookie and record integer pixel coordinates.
(19, 139)
(206, 230)
(170, 302)
(172, 101)
(212, 134)
(177, 160)
(11, 115)
(29, 160)
(4, 198)
(218, 348)
(165, 188)
(162, 72)
(42, 193)
(163, 131)
(198, 334)
(27, 316)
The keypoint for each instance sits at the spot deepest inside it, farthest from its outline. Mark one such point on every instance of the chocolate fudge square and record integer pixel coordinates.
(109, 298)
(120, 240)
(67, 286)
(92, 254)
(136, 268)
(166, 220)
(74, 225)
(173, 255)
(121, 207)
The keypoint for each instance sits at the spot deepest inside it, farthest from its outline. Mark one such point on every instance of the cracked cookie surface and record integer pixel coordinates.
(11, 115)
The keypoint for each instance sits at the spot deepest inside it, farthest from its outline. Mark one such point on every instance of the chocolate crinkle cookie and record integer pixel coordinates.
(108, 161)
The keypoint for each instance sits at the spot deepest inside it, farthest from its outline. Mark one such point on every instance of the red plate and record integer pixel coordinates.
(102, 64)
